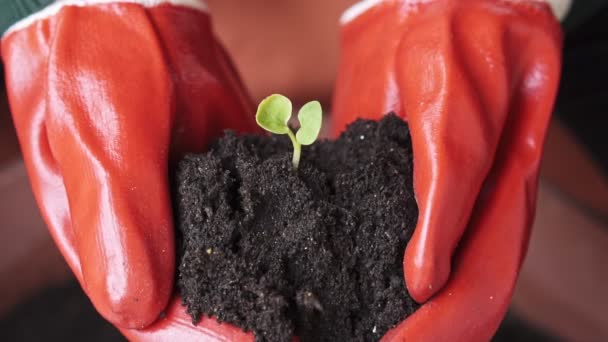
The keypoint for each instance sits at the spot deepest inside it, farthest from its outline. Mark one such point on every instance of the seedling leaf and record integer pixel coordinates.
(310, 117)
(274, 113)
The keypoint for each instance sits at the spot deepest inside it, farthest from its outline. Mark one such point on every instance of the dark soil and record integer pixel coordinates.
(315, 253)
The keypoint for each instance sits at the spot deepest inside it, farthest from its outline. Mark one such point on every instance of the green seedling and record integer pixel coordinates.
(274, 113)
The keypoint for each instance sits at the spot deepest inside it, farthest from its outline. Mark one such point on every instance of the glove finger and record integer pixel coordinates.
(420, 72)
(210, 96)
(499, 228)
(28, 106)
(472, 303)
(109, 119)
(462, 80)
(365, 83)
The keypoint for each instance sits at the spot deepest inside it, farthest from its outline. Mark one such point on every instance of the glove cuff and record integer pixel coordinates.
(560, 8)
(19, 14)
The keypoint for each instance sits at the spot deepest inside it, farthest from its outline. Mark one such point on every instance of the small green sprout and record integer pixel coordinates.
(274, 113)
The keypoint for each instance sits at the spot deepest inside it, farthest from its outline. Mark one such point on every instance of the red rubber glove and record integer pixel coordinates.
(80, 104)
(104, 96)
(476, 80)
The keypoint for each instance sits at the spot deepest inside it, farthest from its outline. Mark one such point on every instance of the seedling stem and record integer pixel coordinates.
(297, 149)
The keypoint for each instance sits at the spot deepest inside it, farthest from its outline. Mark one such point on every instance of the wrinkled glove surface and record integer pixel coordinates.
(106, 96)
(476, 80)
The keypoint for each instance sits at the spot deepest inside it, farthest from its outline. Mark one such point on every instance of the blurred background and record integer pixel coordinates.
(562, 291)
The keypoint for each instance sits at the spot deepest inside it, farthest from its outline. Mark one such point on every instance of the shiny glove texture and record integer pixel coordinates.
(476, 81)
(104, 96)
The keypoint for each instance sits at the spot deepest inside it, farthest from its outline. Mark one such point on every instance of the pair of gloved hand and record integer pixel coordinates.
(106, 94)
